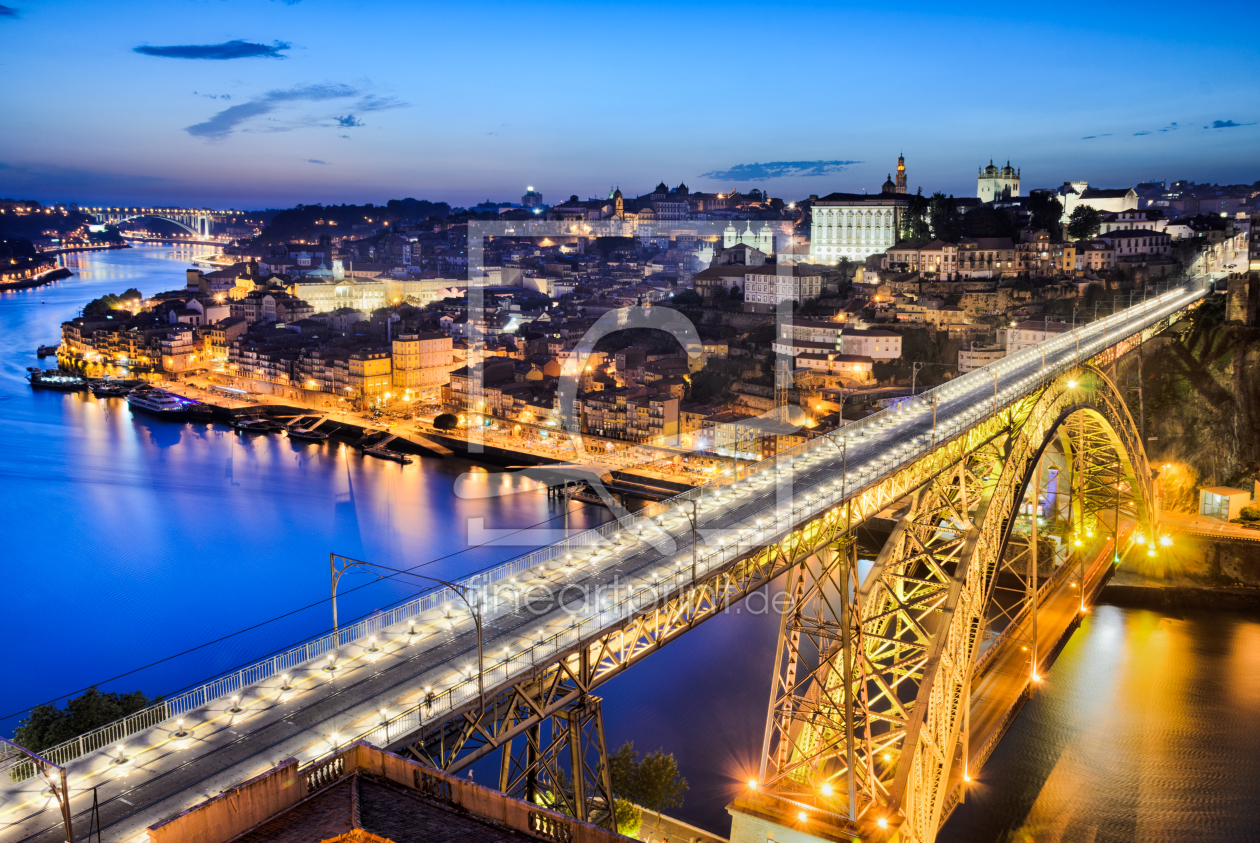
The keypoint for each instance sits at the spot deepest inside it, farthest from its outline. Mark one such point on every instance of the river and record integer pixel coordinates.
(131, 540)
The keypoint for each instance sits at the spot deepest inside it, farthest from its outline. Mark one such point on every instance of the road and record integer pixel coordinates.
(163, 773)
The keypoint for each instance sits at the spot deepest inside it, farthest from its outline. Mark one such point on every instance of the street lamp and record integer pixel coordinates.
(461, 591)
(56, 777)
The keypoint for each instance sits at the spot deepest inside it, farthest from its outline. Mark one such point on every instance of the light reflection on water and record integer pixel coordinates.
(1147, 729)
(129, 539)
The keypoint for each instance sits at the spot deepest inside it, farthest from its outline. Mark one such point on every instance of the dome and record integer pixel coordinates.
(889, 186)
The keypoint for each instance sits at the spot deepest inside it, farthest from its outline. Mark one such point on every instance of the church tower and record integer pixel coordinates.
(901, 173)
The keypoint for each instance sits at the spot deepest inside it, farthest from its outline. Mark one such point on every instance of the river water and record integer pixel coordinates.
(130, 540)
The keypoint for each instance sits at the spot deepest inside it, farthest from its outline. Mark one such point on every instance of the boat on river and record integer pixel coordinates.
(56, 380)
(307, 435)
(387, 454)
(159, 402)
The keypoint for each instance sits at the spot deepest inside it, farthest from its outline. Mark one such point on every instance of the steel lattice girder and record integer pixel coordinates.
(920, 612)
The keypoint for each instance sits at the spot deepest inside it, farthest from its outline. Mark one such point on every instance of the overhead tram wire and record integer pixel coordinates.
(261, 624)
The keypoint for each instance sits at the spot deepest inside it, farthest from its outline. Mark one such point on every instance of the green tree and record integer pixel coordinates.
(628, 816)
(1084, 222)
(623, 769)
(446, 421)
(659, 784)
(1047, 212)
(48, 725)
(914, 219)
(944, 218)
(987, 221)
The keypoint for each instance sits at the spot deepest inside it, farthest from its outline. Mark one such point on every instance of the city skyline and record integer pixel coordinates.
(259, 105)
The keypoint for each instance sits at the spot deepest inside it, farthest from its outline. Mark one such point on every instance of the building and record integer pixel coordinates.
(1032, 331)
(854, 226)
(1138, 244)
(421, 366)
(901, 174)
(631, 413)
(1129, 220)
(532, 198)
(970, 359)
(1224, 502)
(1104, 200)
(872, 343)
(766, 287)
(762, 240)
(362, 794)
(997, 183)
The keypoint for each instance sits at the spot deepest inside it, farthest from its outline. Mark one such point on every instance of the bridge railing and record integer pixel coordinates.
(752, 529)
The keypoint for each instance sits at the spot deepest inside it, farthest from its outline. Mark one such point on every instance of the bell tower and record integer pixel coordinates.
(901, 173)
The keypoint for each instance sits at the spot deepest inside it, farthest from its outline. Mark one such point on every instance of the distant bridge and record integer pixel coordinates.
(198, 221)
(894, 679)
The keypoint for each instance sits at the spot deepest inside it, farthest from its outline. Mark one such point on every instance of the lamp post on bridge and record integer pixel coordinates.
(56, 777)
(461, 591)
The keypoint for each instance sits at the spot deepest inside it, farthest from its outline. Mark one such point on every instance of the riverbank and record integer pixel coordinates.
(1181, 598)
(38, 281)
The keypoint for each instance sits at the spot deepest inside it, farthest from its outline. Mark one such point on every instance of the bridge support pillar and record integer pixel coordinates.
(533, 764)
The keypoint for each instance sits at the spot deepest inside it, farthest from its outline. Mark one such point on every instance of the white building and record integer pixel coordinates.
(994, 183)
(1129, 220)
(854, 225)
(970, 359)
(1106, 201)
(762, 240)
(874, 343)
(1032, 331)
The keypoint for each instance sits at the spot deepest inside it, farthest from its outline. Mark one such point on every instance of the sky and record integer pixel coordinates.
(252, 104)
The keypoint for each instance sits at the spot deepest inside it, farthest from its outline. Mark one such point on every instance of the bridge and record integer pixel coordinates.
(197, 221)
(898, 667)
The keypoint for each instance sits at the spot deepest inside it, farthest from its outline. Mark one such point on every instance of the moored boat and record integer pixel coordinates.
(47, 351)
(307, 435)
(387, 454)
(159, 402)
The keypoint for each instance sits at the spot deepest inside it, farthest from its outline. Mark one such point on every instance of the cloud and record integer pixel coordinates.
(1171, 127)
(6, 12)
(222, 124)
(349, 122)
(226, 50)
(347, 137)
(213, 96)
(1227, 124)
(1091, 137)
(1138, 134)
(315, 161)
(778, 169)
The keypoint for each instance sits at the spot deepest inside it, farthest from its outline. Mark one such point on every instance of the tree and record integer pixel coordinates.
(687, 298)
(944, 218)
(1084, 222)
(659, 784)
(1047, 212)
(446, 421)
(48, 725)
(914, 219)
(987, 221)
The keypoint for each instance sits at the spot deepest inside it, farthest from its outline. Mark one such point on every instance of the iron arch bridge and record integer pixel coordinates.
(894, 677)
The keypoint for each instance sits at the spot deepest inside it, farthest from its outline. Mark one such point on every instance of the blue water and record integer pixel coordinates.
(130, 539)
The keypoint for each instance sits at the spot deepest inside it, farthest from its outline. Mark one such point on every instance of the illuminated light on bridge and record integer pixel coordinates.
(895, 669)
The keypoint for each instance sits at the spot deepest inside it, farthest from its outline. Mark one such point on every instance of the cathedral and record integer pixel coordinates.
(994, 183)
(762, 241)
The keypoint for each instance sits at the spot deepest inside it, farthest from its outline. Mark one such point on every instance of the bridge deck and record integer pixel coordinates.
(165, 773)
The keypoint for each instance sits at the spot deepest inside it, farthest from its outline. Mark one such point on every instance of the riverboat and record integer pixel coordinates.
(307, 435)
(159, 402)
(55, 380)
(387, 454)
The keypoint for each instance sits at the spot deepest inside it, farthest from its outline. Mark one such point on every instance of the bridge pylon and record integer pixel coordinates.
(868, 731)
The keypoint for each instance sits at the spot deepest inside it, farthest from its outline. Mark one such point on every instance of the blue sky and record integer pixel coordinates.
(255, 103)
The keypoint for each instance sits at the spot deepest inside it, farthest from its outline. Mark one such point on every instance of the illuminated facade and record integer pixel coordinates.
(993, 182)
(854, 225)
